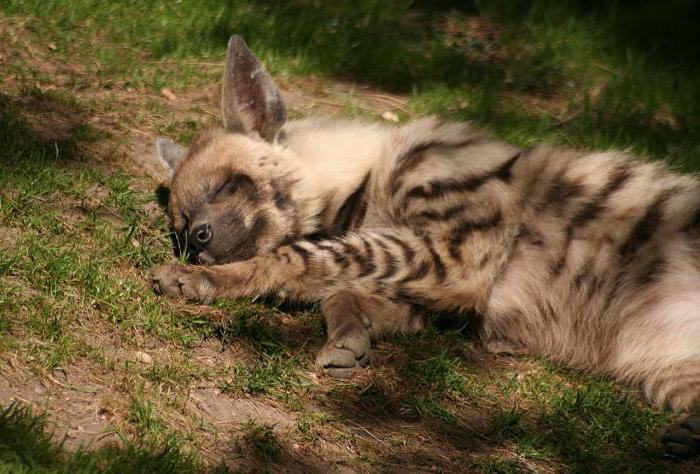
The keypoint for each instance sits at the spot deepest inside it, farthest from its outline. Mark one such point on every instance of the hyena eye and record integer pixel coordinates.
(203, 233)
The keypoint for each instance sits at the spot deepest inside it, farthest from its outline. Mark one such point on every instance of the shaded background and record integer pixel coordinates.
(609, 73)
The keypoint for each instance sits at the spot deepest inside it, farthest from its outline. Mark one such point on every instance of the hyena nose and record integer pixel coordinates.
(203, 233)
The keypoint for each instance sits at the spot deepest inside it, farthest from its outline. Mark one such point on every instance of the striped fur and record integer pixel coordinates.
(588, 258)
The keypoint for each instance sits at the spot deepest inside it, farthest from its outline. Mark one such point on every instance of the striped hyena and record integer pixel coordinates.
(588, 258)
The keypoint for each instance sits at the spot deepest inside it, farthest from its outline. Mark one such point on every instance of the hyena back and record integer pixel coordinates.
(590, 259)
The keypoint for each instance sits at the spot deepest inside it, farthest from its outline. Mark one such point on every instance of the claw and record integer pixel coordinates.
(342, 357)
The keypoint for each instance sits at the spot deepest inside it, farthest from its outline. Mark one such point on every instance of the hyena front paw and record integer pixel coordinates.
(182, 281)
(683, 440)
(342, 356)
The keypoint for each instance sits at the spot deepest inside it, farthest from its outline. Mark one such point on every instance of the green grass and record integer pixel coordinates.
(625, 75)
(261, 442)
(587, 74)
(587, 424)
(26, 446)
(71, 247)
(84, 238)
(581, 423)
(277, 376)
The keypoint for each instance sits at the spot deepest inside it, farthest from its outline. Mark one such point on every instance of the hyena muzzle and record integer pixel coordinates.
(588, 258)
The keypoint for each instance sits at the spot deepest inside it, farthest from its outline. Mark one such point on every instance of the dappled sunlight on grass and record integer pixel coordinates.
(79, 228)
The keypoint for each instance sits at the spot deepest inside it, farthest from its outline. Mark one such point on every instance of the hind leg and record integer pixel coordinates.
(352, 321)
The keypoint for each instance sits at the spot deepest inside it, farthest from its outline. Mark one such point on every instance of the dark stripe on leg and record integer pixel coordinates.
(351, 252)
(694, 222)
(582, 274)
(340, 259)
(448, 214)
(590, 210)
(652, 270)
(367, 266)
(614, 291)
(593, 208)
(557, 267)
(504, 171)
(390, 261)
(416, 273)
(560, 193)
(408, 253)
(594, 286)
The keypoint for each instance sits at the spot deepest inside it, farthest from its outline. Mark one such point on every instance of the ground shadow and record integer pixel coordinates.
(592, 427)
(50, 137)
(443, 387)
(403, 44)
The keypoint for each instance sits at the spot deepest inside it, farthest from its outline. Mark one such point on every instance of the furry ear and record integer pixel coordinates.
(250, 100)
(170, 153)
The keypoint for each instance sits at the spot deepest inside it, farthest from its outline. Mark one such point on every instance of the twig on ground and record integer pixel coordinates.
(140, 132)
(369, 433)
(54, 380)
(188, 63)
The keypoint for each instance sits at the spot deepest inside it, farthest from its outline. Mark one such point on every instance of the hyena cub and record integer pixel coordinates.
(588, 258)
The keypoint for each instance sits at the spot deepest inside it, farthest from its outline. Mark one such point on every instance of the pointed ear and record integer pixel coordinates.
(170, 153)
(250, 100)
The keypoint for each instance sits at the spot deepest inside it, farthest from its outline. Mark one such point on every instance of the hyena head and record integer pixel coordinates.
(227, 193)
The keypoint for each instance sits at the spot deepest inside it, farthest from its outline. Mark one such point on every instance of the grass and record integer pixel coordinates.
(261, 440)
(80, 242)
(79, 228)
(588, 424)
(616, 73)
(26, 446)
(276, 376)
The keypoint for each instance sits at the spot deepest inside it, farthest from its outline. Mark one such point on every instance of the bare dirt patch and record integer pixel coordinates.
(9, 237)
(79, 403)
